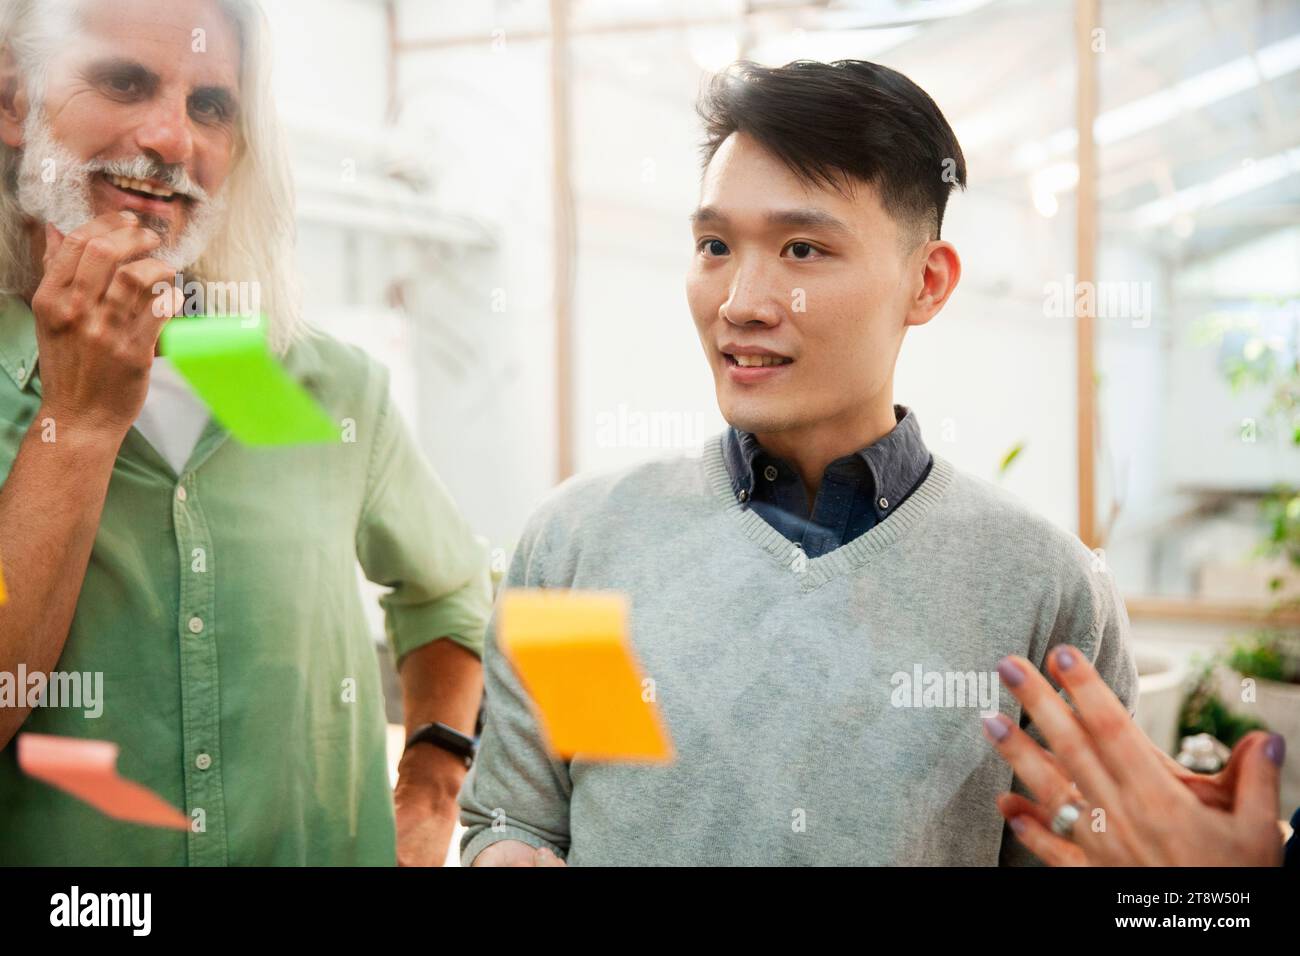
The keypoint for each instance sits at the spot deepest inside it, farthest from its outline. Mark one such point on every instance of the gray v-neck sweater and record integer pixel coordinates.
(823, 711)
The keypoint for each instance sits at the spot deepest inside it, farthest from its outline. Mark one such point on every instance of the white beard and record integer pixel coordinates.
(54, 187)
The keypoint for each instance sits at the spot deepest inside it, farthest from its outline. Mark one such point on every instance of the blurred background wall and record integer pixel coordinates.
(426, 153)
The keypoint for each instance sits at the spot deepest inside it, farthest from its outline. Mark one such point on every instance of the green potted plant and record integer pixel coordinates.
(1260, 676)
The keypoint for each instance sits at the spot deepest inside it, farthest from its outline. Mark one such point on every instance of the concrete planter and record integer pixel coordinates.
(1161, 688)
(1277, 705)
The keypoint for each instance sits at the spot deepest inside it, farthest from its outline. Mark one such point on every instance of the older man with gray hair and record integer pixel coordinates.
(213, 585)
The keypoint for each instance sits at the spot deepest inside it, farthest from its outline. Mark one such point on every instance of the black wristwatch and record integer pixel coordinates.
(440, 735)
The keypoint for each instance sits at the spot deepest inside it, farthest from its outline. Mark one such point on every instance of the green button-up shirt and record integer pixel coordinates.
(223, 608)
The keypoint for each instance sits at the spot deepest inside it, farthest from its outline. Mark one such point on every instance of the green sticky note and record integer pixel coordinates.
(227, 362)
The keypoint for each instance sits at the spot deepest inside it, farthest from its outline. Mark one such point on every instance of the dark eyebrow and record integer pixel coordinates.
(101, 70)
(808, 218)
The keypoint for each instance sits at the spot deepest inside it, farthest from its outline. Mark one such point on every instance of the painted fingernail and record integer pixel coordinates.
(997, 727)
(1064, 658)
(1018, 825)
(1011, 673)
(129, 216)
(1275, 748)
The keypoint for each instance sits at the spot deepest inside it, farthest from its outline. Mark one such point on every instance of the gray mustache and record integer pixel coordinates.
(173, 177)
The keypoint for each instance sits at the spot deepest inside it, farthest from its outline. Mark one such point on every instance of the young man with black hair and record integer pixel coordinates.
(821, 603)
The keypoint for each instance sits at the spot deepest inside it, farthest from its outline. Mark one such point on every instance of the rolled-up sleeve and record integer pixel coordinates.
(413, 540)
(515, 790)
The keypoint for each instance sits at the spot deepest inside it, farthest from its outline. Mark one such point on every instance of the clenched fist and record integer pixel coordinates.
(97, 322)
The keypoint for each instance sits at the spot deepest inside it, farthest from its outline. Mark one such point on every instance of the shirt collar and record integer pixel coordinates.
(17, 340)
(896, 462)
(899, 460)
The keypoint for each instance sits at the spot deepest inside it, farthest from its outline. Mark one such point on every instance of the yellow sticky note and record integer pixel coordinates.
(4, 595)
(571, 651)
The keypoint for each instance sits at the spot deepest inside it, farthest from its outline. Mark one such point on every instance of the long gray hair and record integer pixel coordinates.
(256, 243)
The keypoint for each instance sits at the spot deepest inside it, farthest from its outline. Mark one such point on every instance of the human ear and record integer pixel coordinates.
(13, 101)
(940, 272)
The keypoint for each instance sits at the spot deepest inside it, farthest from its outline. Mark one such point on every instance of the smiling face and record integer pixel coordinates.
(140, 113)
(801, 296)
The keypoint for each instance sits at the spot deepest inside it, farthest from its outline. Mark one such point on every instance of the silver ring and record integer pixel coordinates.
(1066, 817)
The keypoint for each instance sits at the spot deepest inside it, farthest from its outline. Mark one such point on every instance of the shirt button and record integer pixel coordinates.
(743, 495)
(196, 625)
(203, 761)
(770, 473)
(180, 494)
(884, 502)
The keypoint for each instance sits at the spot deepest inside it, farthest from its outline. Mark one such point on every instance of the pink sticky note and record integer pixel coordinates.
(87, 769)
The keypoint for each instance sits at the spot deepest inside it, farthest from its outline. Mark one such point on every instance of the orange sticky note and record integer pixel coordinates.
(4, 595)
(87, 769)
(571, 651)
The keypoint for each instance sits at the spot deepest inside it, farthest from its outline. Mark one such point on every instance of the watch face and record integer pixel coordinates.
(456, 739)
